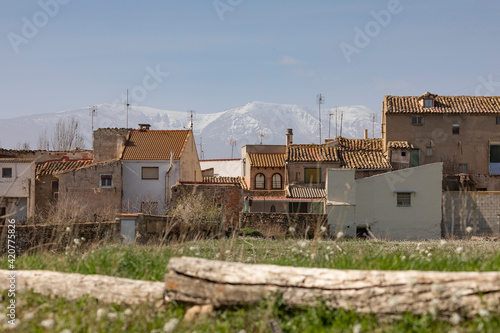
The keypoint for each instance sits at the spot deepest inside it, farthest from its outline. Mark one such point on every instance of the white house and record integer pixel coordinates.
(398, 205)
(17, 188)
(153, 161)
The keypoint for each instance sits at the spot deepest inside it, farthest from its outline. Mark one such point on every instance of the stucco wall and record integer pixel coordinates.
(17, 194)
(190, 164)
(295, 170)
(372, 202)
(470, 146)
(137, 190)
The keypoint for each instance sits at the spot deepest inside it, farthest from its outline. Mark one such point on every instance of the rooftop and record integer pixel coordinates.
(265, 160)
(52, 167)
(312, 153)
(155, 145)
(16, 160)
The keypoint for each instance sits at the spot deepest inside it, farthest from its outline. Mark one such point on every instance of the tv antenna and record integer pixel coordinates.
(127, 108)
(261, 136)
(320, 99)
(341, 121)
(232, 142)
(93, 113)
(202, 153)
(191, 114)
(329, 120)
(374, 117)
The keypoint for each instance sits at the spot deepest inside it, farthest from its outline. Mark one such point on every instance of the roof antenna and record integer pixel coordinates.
(261, 136)
(320, 99)
(93, 113)
(127, 108)
(232, 142)
(374, 117)
(341, 121)
(191, 117)
(202, 153)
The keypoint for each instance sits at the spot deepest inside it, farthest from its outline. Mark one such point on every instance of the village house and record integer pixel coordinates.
(17, 189)
(153, 161)
(463, 132)
(397, 205)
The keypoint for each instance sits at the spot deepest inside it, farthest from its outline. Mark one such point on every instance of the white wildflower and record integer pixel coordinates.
(101, 313)
(29, 316)
(83, 239)
(323, 228)
(68, 229)
(468, 230)
(340, 234)
(403, 258)
(197, 254)
(192, 248)
(170, 326)
(76, 241)
(357, 328)
(313, 256)
(112, 315)
(429, 254)
(303, 244)
(484, 313)
(228, 252)
(455, 319)
(459, 249)
(66, 330)
(291, 229)
(48, 323)
(128, 312)
(327, 258)
(442, 242)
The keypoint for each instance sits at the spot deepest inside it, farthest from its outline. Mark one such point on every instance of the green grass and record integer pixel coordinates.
(149, 263)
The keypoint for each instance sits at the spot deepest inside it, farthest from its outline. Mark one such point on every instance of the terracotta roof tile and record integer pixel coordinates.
(311, 153)
(52, 167)
(358, 144)
(17, 160)
(305, 192)
(263, 160)
(399, 145)
(155, 145)
(227, 180)
(364, 160)
(443, 104)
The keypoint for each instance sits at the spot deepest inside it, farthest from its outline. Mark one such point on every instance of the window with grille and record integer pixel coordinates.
(260, 181)
(106, 180)
(417, 120)
(277, 184)
(403, 199)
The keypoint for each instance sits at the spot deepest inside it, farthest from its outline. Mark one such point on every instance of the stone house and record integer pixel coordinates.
(17, 189)
(397, 205)
(153, 161)
(463, 132)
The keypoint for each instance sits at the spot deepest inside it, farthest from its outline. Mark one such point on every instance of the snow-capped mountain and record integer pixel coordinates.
(215, 131)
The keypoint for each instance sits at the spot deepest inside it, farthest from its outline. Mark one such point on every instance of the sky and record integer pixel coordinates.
(214, 55)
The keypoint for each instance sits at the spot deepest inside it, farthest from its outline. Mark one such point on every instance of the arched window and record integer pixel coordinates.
(260, 181)
(273, 209)
(277, 183)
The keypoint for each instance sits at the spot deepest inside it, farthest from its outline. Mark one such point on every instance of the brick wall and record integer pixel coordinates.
(279, 224)
(477, 210)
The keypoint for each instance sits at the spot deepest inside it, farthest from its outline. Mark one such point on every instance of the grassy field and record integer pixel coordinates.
(149, 263)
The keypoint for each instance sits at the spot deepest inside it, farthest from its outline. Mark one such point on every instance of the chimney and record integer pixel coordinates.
(144, 127)
(289, 136)
(366, 134)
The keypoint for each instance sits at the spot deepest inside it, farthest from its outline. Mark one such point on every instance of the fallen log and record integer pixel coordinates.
(201, 281)
(72, 286)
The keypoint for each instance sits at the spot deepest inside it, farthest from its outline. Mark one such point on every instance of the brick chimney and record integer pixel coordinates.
(366, 134)
(144, 127)
(289, 136)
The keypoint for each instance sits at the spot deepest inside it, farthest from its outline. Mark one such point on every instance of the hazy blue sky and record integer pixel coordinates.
(63, 54)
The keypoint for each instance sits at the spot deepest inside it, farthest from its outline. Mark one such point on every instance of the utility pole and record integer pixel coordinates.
(374, 117)
(320, 99)
(232, 142)
(202, 153)
(93, 113)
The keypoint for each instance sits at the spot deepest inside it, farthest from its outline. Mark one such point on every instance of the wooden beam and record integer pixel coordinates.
(201, 281)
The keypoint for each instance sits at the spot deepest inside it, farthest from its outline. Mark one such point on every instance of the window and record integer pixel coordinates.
(149, 207)
(106, 180)
(150, 173)
(6, 172)
(276, 181)
(430, 151)
(312, 175)
(455, 129)
(414, 158)
(495, 159)
(462, 168)
(403, 154)
(417, 120)
(404, 199)
(498, 120)
(273, 209)
(428, 103)
(260, 181)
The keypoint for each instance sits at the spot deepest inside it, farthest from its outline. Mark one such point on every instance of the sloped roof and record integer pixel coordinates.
(16, 160)
(358, 144)
(51, 167)
(399, 145)
(227, 180)
(311, 153)
(443, 104)
(305, 192)
(267, 160)
(364, 160)
(155, 144)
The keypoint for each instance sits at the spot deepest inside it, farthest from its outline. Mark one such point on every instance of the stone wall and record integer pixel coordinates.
(109, 143)
(280, 225)
(471, 213)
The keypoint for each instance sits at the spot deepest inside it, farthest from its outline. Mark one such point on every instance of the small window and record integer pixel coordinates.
(403, 199)
(260, 181)
(55, 186)
(428, 103)
(150, 173)
(276, 181)
(106, 180)
(430, 151)
(462, 168)
(455, 129)
(498, 120)
(312, 175)
(417, 120)
(403, 154)
(273, 209)
(6, 172)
